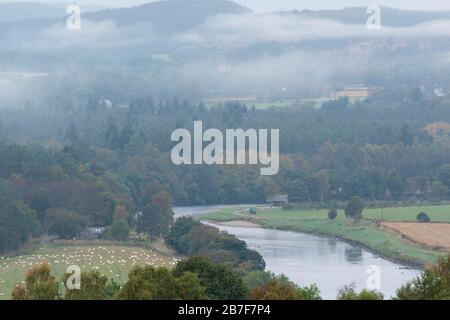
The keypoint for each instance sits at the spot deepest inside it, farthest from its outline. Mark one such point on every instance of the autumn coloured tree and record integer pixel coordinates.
(40, 284)
(280, 288)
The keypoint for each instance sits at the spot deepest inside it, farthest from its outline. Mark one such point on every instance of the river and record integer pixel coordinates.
(308, 259)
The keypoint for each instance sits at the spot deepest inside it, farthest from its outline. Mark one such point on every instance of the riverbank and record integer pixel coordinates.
(237, 223)
(365, 233)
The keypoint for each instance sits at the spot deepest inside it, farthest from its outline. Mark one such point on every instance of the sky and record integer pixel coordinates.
(273, 5)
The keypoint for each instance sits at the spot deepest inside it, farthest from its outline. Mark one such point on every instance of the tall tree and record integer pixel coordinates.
(158, 215)
(354, 209)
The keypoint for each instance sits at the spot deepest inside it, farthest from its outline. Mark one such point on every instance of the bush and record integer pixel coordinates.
(349, 293)
(423, 217)
(332, 214)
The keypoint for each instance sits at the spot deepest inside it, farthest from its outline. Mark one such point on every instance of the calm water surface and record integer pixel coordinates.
(308, 259)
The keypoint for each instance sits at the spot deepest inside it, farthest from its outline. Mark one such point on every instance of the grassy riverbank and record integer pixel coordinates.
(365, 232)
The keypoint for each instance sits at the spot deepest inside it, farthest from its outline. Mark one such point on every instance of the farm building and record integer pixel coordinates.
(278, 200)
(92, 233)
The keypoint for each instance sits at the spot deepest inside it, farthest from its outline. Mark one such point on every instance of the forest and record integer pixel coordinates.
(72, 158)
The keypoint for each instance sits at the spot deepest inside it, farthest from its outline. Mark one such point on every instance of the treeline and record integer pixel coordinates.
(74, 161)
(393, 146)
(192, 238)
(198, 279)
(52, 192)
(193, 279)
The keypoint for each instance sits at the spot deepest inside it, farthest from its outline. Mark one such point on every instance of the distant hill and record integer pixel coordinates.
(389, 17)
(165, 17)
(20, 11)
(171, 15)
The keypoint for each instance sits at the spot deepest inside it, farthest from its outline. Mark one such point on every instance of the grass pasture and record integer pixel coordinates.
(113, 261)
(436, 213)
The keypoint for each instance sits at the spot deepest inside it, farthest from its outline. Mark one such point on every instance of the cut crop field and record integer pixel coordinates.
(432, 235)
(115, 262)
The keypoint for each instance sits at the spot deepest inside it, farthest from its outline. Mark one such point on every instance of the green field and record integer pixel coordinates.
(436, 213)
(115, 262)
(365, 232)
(277, 104)
(263, 105)
(259, 105)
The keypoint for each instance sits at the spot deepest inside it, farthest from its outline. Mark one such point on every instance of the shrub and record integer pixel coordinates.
(349, 293)
(423, 217)
(332, 214)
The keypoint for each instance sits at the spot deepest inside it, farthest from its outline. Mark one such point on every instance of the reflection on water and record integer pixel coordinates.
(329, 263)
(353, 254)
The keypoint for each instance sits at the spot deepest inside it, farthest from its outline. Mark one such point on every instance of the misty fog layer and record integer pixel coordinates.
(287, 55)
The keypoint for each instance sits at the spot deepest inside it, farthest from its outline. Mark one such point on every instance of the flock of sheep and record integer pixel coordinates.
(112, 261)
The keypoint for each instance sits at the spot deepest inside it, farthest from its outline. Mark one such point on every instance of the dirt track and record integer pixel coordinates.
(432, 235)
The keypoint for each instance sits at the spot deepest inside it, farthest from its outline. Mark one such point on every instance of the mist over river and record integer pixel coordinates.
(307, 259)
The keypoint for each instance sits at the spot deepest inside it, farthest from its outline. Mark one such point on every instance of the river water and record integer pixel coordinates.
(308, 259)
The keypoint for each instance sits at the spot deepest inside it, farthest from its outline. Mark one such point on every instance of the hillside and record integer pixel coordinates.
(390, 17)
(14, 11)
(169, 16)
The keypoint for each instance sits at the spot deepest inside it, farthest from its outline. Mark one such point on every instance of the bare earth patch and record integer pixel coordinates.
(432, 235)
(238, 223)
